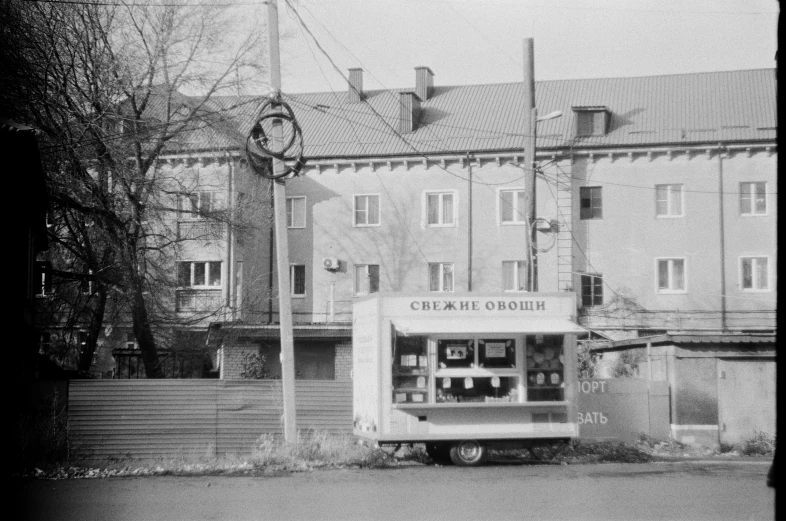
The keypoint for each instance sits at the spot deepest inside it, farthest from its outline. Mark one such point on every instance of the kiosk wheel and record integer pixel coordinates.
(439, 453)
(468, 453)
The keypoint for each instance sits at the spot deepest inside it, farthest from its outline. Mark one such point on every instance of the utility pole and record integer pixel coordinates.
(282, 243)
(530, 118)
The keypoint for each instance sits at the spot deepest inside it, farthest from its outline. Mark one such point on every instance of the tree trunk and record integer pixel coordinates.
(93, 330)
(144, 333)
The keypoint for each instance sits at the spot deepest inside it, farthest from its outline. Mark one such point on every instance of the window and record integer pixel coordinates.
(590, 202)
(82, 340)
(440, 276)
(753, 198)
(297, 280)
(130, 341)
(366, 210)
(45, 342)
(754, 274)
(668, 200)
(512, 207)
(199, 274)
(296, 212)
(671, 275)
(592, 121)
(514, 275)
(43, 279)
(441, 209)
(198, 204)
(366, 279)
(86, 284)
(591, 290)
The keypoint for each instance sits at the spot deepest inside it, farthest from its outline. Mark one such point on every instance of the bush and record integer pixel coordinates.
(760, 444)
(316, 449)
(253, 367)
(578, 451)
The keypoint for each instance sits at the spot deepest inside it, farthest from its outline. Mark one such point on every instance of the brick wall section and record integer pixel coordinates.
(232, 360)
(344, 361)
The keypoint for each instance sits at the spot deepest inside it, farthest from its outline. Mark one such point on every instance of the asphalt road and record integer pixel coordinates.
(652, 491)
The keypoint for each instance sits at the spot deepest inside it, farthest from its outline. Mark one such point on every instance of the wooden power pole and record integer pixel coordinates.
(282, 243)
(530, 118)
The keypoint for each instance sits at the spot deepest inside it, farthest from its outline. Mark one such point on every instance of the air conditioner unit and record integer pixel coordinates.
(331, 263)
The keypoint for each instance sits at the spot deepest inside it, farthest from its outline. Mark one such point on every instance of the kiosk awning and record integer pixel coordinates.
(417, 326)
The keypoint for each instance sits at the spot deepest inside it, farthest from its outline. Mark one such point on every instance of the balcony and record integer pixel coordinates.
(198, 300)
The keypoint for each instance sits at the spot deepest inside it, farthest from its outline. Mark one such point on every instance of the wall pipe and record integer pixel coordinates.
(469, 224)
(722, 231)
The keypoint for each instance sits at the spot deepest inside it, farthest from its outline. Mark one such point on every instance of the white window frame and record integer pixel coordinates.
(362, 270)
(593, 277)
(519, 214)
(291, 221)
(670, 290)
(518, 267)
(355, 209)
(441, 193)
(441, 280)
(192, 271)
(754, 272)
(753, 212)
(292, 281)
(670, 195)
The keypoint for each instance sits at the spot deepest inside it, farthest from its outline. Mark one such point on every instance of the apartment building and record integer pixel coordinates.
(656, 201)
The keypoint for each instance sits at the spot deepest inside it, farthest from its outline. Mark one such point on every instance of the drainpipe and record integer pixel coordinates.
(230, 242)
(722, 237)
(469, 224)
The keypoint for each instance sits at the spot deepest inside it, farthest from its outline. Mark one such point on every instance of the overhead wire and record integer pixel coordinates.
(426, 156)
(390, 197)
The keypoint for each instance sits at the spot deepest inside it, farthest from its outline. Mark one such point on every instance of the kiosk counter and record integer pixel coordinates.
(465, 372)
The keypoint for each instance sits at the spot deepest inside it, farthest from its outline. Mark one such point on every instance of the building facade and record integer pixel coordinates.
(656, 203)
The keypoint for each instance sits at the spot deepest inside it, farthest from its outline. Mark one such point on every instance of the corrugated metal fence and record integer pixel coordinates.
(166, 418)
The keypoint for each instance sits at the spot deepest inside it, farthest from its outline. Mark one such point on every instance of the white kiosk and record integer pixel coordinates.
(462, 372)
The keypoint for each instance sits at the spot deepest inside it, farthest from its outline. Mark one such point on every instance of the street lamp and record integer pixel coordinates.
(551, 115)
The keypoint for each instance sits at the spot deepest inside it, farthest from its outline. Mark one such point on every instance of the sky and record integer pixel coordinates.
(481, 41)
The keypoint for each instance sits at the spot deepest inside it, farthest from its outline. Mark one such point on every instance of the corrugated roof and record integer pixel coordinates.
(699, 338)
(685, 109)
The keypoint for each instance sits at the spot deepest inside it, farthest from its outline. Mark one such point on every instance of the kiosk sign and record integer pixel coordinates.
(477, 305)
(444, 306)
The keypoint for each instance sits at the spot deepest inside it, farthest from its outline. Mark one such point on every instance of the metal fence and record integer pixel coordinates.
(166, 418)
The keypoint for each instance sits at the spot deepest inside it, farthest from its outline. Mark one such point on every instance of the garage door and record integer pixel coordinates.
(746, 396)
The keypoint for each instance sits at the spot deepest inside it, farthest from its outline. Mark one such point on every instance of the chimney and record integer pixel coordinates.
(409, 112)
(424, 82)
(355, 93)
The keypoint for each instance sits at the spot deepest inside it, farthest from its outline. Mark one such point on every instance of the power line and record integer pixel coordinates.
(140, 4)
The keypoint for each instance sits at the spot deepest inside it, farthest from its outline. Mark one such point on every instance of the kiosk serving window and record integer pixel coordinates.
(545, 373)
(444, 368)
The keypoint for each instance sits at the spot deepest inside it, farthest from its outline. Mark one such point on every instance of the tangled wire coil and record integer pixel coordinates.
(258, 143)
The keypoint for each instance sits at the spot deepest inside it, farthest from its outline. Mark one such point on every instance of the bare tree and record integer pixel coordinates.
(111, 87)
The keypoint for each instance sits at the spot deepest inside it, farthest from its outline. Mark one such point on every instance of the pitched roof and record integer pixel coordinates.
(680, 109)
